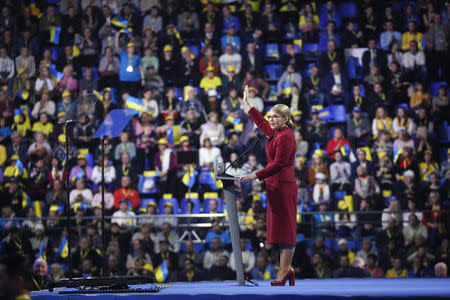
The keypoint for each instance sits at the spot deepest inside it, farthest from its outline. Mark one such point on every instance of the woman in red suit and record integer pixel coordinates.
(280, 183)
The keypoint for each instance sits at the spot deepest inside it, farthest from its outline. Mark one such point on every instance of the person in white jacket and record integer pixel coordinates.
(248, 258)
(229, 58)
(45, 105)
(44, 82)
(110, 172)
(414, 63)
(321, 190)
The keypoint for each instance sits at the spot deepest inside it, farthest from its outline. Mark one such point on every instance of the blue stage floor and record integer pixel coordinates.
(304, 289)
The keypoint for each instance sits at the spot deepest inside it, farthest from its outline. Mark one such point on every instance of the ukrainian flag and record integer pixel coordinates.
(173, 135)
(23, 95)
(76, 51)
(397, 152)
(78, 176)
(120, 22)
(77, 39)
(189, 178)
(63, 249)
(98, 95)
(345, 150)
(55, 33)
(162, 272)
(134, 103)
(55, 73)
(287, 88)
(128, 30)
(41, 253)
(38, 208)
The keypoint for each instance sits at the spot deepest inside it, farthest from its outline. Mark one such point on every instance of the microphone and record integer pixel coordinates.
(69, 122)
(243, 153)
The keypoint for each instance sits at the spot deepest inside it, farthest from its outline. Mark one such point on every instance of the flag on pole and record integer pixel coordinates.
(189, 177)
(63, 249)
(23, 95)
(397, 152)
(120, 21)
(162, 272)
(134, 103)
(55, 33)
(173, 135)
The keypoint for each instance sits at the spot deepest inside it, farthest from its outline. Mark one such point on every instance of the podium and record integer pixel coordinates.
(229, 194)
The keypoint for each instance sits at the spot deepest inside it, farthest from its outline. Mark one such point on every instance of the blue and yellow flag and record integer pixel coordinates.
(128, 30)
(57, 75)
(189, 177)
(63, 249)
(23, 95)
(119, 21)
(173, 135)
(134, 103)
(38, 208)
(55, 33)
(41, 253)
(162, 272)
(78, 176)
(397, 153)
(287, 88)
(345, 150)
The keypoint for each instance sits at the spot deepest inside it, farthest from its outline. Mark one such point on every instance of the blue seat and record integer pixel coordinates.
(273, 72)
(444, 133)
(354, 245)
(434, 88)
(348, 10)
(148, 183)
(173, 201)
(193, 198)
(272, 97)
(311, 51)
(207, 197)
(195, 49)
(338, 114)
(272, 52)
(331, 243)
(339, 195)
(405, 106)
(296, 48)
(353, 68)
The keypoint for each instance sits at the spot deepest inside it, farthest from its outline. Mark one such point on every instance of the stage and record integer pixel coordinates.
(428, 288)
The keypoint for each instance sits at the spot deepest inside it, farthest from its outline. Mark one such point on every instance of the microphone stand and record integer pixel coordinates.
(103, 203)
(66, 187)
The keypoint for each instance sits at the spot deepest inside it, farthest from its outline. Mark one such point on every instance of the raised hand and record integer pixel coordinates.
(247, 103)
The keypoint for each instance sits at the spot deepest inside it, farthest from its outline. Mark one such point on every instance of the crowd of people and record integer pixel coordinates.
(373, 191)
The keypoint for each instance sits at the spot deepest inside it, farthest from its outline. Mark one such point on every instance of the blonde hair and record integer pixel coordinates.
(284, 111)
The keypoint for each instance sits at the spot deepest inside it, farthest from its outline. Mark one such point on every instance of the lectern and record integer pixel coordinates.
(229, 194)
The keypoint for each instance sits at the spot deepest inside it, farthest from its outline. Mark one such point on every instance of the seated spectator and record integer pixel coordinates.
(43, 124)
(168, 255)
(125, 146)
(68, 82)
(209, 59)
(109, 67)
(328, 57)
(316, 128)
(109, 198)
(351, 38)
(372, 56)
(165, 164)
(356, 270)
(149, 215)
(336, 143)
(248, 258)
(256, 101)
(26, 62)
(370, 21)
(392, 211)
(229, 58)
(229, 80)
(216, 232)
(40, 148)
(324, 220)
(321, 190)
(137, 251)
(411, 35)
(406, 189)
(150, 105)
(317, 166)
(82, 254)
(126, 192)
(358, 128)
(396, 82)
(311, 87)
(414, 63)
(329, 33)
(154, 19)
(83, 132)
(340, 172)
(263, 270)
(373, 77)
(168, 218)
(189, 67)
(389, 35)
(188, 23)
(45, 105)
(419, 249)
(430, 219)
(221, 271)
(81, 169)
(308, 23)
(413, 229)
(210, 80)
(270, 23)
(372, 268)
(420, 98)
(213, 130)
(252, 60)
(378, 97)
(153, 81)
(361, 157)
(440, 270)
(345, 221)
(41, 277)
(189, 272)
(169, 238)
(228, 19)
(214, 253)
(109, 172)
(230, 38)
(195, 257)
(357, 100)
(366, 250)
(80, 194)
(320, 266)
(88, 83)
(397, 271)
(366, 188)
(335, 85)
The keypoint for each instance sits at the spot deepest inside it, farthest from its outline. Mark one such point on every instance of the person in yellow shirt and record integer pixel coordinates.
(210, 81)
(419, 98)
(397, 271)
(15, 170)
(343, 250)
(411, 35)
(428, 166)
(3, 155)
(253, 213)
(43, 125)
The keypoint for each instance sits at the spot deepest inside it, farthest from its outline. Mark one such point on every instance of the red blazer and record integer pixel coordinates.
(280, 149)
